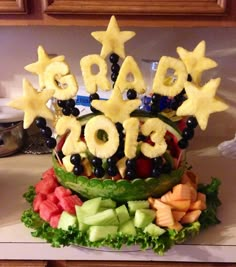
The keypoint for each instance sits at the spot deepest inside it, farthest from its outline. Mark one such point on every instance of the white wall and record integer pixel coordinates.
(18, 47)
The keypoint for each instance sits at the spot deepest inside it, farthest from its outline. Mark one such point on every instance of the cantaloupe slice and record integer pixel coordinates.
(167, 197)
(181, 205)
(158, 204)
(201, 196)
(191, 216)
(181, 192)
(178, 215)
(198, 205)
(176, 226)
(164, 217)
(189, 178)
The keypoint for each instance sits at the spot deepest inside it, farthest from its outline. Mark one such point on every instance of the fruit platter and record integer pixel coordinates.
(119, 175)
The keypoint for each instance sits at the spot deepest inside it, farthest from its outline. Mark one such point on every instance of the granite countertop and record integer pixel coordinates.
(216, 244)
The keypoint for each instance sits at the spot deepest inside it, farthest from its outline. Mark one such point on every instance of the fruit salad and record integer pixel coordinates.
(120, 175)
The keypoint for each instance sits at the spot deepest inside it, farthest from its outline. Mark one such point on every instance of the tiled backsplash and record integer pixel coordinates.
(19, 48)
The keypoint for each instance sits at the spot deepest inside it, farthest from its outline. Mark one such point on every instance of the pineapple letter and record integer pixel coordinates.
(156, 129)
(164, 86)
(104, 145)
(130, 67)
(131, 127)
(57, 77)
(92, 81)
(72, 144)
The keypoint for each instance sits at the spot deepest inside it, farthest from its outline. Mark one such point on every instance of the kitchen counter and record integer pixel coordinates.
(216, 244)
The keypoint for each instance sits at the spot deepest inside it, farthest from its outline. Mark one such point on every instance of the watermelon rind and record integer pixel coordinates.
(121, 190)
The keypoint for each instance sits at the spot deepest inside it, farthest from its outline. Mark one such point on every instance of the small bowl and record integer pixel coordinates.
(11, 137)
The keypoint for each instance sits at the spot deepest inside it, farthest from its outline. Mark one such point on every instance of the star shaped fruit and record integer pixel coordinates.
(117, 109)
(201, 102)
(113, 39)
(39, 66)
(195, 61)
(33, 103)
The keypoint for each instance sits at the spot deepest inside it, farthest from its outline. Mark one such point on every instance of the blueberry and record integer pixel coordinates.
(157, 161)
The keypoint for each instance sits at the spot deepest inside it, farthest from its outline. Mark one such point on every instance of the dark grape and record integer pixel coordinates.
(93, 97)
(183, 143)
(46, 132)
(78, 169)
(189, 79)
(131, 94)
(192, 122)
(130, 173)
(61, 103)
(157, 161)
(115, 68)
(66, 111)
(70, 103)
(114, 58)
(112, 170)
(40, 122)
(141, 137)
(99, 172)
(114, 76)
(75, 112)
(188, 133)
(155, 108)
(111, 161)
(156, 98)
(75, 159)
(60, 154)
(166, 168)
(156, 172)
(51, 142)
(131, 163)
(97, 162)
(119, 127)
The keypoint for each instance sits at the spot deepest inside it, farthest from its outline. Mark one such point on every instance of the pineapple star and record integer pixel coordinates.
(113, 39)
(195, 61)
(39, 66)
(117, 109)
(33, 103)
(201, 102)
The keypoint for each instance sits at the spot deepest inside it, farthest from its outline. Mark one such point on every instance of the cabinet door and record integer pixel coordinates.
(13, 7)
(137, 7)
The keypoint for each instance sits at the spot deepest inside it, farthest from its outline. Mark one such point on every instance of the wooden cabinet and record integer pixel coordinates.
(143, 13)
(13, 7)
(134, 7)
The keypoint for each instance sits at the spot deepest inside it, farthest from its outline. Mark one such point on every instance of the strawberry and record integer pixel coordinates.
(143, 167)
